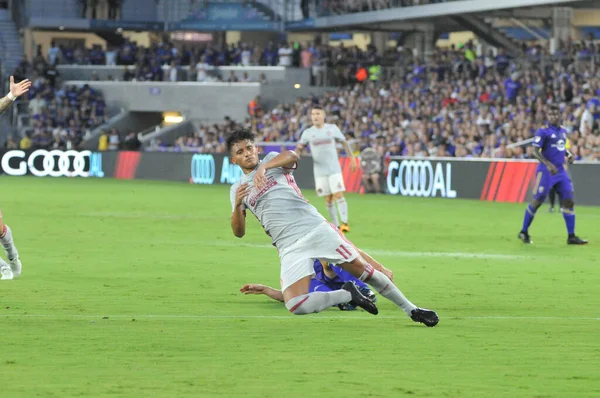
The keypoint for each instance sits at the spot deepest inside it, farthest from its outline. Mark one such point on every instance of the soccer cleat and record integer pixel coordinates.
(576, 240)
(524, 236)
(344, 228)
(427, 317)
(359, 300)
(351, 306)
(551, 210)
(5, 272)
(15, 265)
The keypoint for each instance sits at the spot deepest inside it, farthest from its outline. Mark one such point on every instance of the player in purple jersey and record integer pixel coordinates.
(327, 279)
(550, 149)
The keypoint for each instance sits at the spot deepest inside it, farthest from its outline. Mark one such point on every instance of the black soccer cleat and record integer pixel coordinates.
(576, 240)
(524, 236)
(427, 317)
(359, 300)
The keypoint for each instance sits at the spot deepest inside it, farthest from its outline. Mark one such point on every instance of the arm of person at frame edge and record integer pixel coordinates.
(16, 90)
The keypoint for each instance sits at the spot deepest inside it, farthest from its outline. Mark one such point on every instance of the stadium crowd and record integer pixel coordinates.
(452, 106)
(59, 117)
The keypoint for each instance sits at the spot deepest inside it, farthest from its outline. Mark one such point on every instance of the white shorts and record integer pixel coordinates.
(325, 243)
(329, 185)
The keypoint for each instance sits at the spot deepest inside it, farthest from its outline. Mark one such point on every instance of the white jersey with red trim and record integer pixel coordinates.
(279, 205)
(323, 149)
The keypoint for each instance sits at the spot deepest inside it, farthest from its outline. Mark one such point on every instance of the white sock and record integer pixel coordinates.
(317, 301)
(7, 243)
(387, 289)
(333, 215)
(343, 208)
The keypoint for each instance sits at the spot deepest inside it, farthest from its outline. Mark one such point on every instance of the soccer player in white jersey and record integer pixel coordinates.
(329, 182)
(302, 235)
(13, 270)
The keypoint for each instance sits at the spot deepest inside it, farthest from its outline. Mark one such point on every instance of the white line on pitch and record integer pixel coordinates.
(393, 253)
(357, 317)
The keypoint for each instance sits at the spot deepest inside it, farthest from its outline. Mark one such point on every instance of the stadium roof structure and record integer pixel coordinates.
(410, 18)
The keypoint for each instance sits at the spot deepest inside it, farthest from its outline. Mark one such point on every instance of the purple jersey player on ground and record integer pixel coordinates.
(327, 278)
(550, 149)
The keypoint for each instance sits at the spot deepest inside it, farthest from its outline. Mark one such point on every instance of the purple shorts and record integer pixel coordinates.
(545, 181)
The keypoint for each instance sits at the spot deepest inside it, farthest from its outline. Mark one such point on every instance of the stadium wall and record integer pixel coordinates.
(502, 180)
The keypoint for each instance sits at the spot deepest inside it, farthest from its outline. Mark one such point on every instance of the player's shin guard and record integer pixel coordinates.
(387, 289)
(333, 215)
(528, 219)
(317, 301)
(7, 242)
(569, 216)
(342, 206)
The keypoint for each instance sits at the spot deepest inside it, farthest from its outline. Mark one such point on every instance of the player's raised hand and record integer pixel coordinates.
(242, 191)
(260, 179)
(353, 165)
(20, 88)
(253, 289)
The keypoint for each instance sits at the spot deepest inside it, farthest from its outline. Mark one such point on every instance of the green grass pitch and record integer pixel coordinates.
(130, 289)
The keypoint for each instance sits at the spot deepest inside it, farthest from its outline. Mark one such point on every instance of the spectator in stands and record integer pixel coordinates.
(174, 72)
(114, 141)
(131, 142)
(103, 141)
(10, 143)
(37, 105)
(285, 55)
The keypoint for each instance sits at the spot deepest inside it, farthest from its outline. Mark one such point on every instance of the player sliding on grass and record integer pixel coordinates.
(13, 270)
(550, 149)
(302, 235)
(327, 278)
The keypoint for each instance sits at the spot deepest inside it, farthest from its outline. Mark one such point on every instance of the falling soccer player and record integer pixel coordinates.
(8, 272)
(550, 149)
(302, 235)
(329, 181)
(327, 279)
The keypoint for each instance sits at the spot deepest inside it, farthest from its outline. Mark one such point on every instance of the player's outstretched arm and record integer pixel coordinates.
(16, 90)
(238, 218)
(262, 289)
(350, 153)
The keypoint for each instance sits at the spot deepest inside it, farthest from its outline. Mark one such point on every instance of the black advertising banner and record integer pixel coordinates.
(491, 180)
(56, 163)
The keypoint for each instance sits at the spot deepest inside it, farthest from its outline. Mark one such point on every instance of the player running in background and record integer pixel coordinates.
(302, 235)
(550, 149)
(13, 270)
(327, 279)
(329, 182)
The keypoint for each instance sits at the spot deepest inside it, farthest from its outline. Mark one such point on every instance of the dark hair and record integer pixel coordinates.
(318, 107)
(239, 135)
(553, 107)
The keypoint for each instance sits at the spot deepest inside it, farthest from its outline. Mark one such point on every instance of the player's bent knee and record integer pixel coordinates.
(568, 203)
(536, 203)
(296, 306)
(338, 195)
